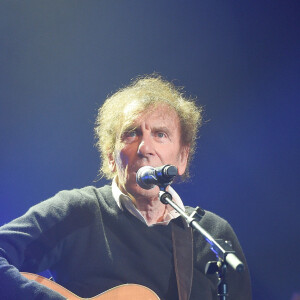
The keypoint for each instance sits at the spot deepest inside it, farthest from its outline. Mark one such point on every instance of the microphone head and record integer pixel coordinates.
(170, 171)
(148, 177)
(145, 176)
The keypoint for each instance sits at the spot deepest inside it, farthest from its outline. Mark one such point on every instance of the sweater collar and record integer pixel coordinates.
(124, 201)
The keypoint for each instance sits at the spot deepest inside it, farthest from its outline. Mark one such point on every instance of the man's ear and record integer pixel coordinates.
(111, 162)
(183, 159)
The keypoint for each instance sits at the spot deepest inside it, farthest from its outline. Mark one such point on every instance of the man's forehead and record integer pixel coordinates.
(133, 116)
(137, 108)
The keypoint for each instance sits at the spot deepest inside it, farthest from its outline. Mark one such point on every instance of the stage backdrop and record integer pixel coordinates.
(60, 59)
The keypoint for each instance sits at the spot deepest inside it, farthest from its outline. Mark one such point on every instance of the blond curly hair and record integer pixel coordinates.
(124, 106)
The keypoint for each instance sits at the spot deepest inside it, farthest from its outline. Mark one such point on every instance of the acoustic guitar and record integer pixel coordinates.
(122, 292)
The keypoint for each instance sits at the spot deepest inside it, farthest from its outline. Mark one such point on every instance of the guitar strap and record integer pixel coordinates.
(182, 238)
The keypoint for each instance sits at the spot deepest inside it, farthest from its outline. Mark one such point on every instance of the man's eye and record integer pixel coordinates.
(129, 135)
(161, 134)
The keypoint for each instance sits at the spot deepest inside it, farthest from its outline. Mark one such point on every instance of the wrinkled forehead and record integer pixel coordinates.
(134, 112)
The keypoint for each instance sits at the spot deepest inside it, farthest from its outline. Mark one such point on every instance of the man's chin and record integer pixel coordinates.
(136, 191)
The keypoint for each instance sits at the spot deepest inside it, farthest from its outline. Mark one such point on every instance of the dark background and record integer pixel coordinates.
(60, 59)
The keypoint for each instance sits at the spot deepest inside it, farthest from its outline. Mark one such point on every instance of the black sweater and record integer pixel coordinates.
(90, 245)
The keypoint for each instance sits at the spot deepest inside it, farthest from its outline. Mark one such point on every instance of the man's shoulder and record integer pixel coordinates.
(89, 196)
(212, 222)
(89, 192)
(208, 216)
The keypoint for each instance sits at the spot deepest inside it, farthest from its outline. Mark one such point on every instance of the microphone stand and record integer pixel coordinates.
(223, 250)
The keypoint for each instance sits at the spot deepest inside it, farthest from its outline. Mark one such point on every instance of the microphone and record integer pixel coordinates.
(147, 177)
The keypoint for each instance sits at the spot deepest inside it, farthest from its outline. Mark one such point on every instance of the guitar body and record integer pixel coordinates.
(121, 292)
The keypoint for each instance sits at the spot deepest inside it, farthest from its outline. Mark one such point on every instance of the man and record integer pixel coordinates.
(94, 239)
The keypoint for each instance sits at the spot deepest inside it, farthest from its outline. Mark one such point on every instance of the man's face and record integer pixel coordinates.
(152, 140)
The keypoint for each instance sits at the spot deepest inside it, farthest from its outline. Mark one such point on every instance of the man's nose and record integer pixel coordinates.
(146, 147)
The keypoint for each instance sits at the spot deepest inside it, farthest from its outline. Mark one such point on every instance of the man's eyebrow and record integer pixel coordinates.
(128, 128)
(162, 128)
(133, 127)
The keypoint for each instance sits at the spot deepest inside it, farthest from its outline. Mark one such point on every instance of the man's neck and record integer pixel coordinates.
(151, 209)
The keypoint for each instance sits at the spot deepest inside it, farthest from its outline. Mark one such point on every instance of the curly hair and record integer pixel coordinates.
(144, 93)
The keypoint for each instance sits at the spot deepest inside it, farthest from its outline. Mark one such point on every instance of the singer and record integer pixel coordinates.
(95, 239)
